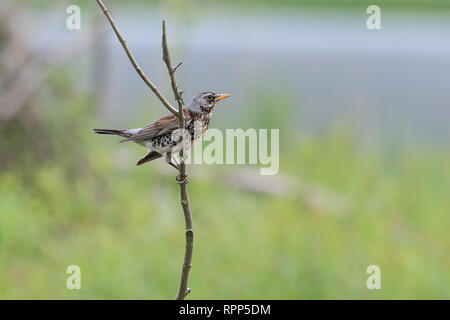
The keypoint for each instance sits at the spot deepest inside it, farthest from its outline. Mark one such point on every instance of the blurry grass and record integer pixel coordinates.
(123, 226)
(85, 203)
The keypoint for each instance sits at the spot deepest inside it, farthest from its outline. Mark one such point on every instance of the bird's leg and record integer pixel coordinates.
(178, 161)
(174, 165)
(180, 180)
(169, 161)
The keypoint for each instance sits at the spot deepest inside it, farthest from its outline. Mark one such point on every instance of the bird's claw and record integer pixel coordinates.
(183, 180)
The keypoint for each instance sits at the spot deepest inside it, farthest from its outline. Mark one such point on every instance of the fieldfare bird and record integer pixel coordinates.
(159, 137)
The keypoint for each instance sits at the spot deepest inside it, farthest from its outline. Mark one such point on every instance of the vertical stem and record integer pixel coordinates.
(183, 290)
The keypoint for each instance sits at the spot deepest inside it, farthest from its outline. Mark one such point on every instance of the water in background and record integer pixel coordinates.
(326, 66)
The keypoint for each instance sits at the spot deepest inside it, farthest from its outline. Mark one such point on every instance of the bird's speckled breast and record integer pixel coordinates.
(166, 143)
(199, 121)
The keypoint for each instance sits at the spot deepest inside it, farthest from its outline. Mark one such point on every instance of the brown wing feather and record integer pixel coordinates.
(166, 124)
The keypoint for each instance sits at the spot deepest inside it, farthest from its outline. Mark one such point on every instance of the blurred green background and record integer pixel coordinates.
(364, 151)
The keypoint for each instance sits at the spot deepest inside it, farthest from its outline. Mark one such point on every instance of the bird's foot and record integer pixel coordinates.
(182, 180)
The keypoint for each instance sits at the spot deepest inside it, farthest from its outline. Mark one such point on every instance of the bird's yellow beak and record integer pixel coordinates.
(222, 96)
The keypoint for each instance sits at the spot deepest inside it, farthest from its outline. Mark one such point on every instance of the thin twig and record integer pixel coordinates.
(134, 63)
(176, 67)
(183, 290)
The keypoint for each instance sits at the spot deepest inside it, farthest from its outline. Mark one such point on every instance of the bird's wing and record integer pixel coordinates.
(152, 155)
(166, 124)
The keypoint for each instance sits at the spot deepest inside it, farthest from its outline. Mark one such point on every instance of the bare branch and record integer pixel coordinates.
(134, 63)
(176, 92)
(183, 290)
(176, 67)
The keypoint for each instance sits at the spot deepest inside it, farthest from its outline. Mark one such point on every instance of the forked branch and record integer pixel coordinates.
(134, 63)
(183, 290)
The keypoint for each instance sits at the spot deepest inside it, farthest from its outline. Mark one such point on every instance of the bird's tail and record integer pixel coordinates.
(110, 131)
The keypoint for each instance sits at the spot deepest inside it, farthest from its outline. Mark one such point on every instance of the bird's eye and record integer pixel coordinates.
(211, 98)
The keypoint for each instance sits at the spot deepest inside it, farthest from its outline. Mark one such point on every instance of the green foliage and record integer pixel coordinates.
(89, 205)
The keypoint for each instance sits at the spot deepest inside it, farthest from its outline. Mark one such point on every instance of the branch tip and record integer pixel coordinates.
(176, 67)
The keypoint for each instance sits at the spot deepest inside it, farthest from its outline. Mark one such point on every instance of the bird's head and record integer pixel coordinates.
(205, 102)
